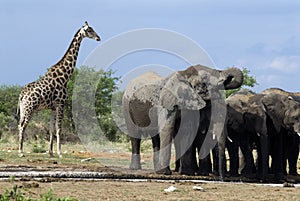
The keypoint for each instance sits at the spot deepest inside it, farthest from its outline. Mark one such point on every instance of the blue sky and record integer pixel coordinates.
(263, 36)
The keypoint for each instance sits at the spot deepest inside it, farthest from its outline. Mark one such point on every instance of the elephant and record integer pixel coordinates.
(283, 114)
(154, 106)
(292, 139)
(246, 124)
(236, 108)
(251, 118)
(208, 139)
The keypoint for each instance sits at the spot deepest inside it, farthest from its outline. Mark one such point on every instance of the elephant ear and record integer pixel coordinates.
(273, 107)
(178, 92)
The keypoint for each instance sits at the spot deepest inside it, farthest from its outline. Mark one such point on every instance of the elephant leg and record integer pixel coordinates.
(185, 163)
(205, 166)
(293, 154)
(222, 160)
(285, 150)
(166, 130)
(263, 158)
(233, 151)
(216, 161)
(203, 150)
(249, 160)
(178, 154)
(156, 146)
(277, 157)
(177, 165)
(221, 145)
(188, 162)
(135, 156)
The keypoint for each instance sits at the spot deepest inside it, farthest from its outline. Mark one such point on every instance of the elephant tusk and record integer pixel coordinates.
(298, 134)
(258, 134)
(230, 140)
(214, 136)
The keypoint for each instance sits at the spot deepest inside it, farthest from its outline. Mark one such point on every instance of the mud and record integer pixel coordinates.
(54, 172)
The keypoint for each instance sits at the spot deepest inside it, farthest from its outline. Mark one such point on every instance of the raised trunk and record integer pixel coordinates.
(234, 78)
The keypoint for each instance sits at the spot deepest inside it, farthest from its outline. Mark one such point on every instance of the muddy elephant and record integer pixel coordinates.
(153, 105)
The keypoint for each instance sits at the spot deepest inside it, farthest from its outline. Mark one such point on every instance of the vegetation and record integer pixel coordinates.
(17, 194)
(84, 82)
(249, 81)
(38, 127)
(92, 91)
(8, 108)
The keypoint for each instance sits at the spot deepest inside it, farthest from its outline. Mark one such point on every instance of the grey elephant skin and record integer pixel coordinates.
(291, 139)
(265, 119)
(246, 124)
(284, 112)
(154, 106)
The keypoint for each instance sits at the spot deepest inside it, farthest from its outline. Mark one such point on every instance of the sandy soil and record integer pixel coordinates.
(111, 189)
(116, 190)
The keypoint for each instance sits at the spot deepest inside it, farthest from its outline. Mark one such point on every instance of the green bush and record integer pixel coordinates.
(48, 196)
(38, 148)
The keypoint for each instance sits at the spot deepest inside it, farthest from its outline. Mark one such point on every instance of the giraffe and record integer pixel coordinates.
(50, 92)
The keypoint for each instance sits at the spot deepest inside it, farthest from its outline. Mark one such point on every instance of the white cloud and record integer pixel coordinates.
(285, 63)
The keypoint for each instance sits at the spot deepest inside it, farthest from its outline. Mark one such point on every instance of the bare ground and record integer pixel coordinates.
(120, 190)
(117, 183)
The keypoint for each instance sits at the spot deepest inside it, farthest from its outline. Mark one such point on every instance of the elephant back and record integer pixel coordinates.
(239, 100)
(143, 86)
(294, 95)
(139, 101)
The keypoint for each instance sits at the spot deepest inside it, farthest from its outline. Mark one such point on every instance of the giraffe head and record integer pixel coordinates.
(89, 32)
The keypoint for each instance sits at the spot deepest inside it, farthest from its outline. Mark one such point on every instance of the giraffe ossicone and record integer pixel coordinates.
(50, 92)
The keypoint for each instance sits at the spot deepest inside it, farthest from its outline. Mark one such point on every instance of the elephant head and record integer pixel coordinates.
(191, 87)
(283, 110)
(230, 78)
(292, 115)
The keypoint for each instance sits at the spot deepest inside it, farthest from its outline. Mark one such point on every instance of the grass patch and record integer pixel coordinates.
(36, 148)
(20, 193)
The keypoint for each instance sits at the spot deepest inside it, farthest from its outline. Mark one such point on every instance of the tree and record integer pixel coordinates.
(9, 99)
(38, 127)
(101, 84)
(249, 81)
(8, 108)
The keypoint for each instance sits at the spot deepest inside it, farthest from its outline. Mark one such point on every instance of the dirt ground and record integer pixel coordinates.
(151, 187)
(117, 190)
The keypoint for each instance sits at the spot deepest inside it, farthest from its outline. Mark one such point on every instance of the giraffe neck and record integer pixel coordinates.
(63, 70)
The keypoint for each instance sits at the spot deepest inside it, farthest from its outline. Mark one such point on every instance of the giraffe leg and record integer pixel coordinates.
(24, 119)
(21, 126)
(59, 116)
(52, 128)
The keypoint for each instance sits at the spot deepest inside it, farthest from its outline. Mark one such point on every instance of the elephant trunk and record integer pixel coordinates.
(233, 78)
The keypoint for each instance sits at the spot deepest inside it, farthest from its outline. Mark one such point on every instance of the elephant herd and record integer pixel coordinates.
(188, 108)
(270, 122)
